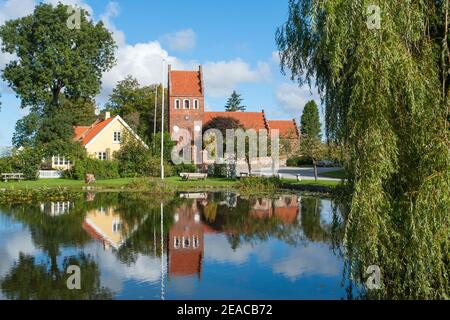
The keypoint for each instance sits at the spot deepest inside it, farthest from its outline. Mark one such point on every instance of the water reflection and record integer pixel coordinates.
(203, 245)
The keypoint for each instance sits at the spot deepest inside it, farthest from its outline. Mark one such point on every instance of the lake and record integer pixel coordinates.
(190, 246)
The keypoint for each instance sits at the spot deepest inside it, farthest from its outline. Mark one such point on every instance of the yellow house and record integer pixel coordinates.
(101, 139)
(106, 225)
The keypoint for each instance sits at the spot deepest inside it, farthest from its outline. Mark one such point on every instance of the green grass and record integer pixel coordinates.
(338, 174)
(62, 183)
(113, 183)
(209, 182)
(176, 182)
(325, 183)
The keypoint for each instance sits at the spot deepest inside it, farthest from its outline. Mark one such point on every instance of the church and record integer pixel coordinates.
(186, 93)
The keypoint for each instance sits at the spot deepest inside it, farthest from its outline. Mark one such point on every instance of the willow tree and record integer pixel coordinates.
(382, 70)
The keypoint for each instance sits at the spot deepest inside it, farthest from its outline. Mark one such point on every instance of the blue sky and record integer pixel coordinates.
(233, 40)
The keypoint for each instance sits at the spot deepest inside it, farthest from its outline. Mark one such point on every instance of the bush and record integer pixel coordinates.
(297, 161)
(217, 170)
(153, 168)
(6, 164)
(27, 161)
(100, 169)
(259, 184)
(179, 168)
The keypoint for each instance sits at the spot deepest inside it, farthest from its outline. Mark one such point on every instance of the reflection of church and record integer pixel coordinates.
(186, 236)
(284, 208)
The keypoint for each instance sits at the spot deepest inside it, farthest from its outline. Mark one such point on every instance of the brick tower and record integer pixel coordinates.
(186, 99)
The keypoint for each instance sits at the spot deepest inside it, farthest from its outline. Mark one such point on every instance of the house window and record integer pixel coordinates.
(195, 242)
(177, 104)
(176, 243)
(187, 104)
(60, 161)
(102, 156)
(117, 136)
(116, 226)
(195, 104)
(186, 242)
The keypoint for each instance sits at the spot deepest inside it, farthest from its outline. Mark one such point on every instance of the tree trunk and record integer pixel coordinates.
(315, 170)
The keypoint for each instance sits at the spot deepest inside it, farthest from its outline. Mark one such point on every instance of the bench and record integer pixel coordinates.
(12, 176)
(193, 176)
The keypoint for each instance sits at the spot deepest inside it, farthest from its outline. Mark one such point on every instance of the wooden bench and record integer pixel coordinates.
(193, 176)
(12, 176)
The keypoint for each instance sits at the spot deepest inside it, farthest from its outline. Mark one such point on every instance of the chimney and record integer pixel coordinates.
(169, 68)
(107, 115)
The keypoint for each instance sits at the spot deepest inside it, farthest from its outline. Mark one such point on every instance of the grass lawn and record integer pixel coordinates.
(209, 182)
(176, 182)
(55, 183)
(325, 183)
(113, 183)
(338, 174)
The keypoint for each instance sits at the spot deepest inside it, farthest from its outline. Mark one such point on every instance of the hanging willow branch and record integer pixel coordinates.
(385, 92)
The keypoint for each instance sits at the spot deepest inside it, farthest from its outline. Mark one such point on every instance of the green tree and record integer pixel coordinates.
(311, 145)
(136, 105)
(386, 95)
(54, 64)
(234, 103)
(310, 120)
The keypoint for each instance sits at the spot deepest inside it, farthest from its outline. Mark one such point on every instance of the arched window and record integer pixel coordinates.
(195, 242)
(186, 242)
(177, 104)
(196, 105)
(187, 104)
(176, 242)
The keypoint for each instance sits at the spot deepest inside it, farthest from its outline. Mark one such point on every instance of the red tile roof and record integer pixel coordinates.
(86, 134)
(185, 83)
(287, 128)
(250, 120)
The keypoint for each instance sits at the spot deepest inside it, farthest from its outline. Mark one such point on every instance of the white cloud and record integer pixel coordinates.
(276, 57)
(181, 40)
(292, 98)
(112, 11)
(143, 61)
(306, 261)
(222, 77)
(74, 3)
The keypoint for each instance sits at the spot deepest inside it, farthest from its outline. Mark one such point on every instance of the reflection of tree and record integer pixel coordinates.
(50, 233)
(142, 215)
(311, 221)
(28, 280)
(240, 225)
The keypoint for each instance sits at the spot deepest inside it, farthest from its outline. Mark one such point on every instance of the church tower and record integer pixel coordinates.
(186, 99)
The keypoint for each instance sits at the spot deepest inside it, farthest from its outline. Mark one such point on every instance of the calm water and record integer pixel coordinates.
(213, 246)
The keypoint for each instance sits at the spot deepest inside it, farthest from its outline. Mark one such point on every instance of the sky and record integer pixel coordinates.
(234, 40)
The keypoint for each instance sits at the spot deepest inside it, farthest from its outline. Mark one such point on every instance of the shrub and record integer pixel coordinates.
(297, 161)
(152, 167)
(259, 184)
(179, 168)
(100, 169)
(6, 164)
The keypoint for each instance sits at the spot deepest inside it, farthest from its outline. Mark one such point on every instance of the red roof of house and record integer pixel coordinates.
(250, 120)
(287, 128)
(185, 83)
(86, 134)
